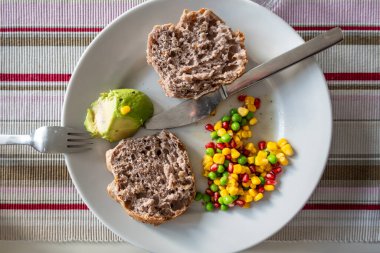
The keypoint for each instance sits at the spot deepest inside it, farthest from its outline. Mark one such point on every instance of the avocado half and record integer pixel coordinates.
(106, 119)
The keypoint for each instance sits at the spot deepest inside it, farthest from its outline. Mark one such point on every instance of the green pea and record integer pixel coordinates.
(198, 196)
(226, 118)
(218, 174)
(242, 160)
(262, 180)
(220, 200)
(249, 116)
(233, 111)
(235, 126)
(220, 168)
(210, 151)
(223, 207)
(244, 122)
(209, 207)
(246, 188)
(226, 163)
(206, 198)
(223, 181)
(219, 140)
(214, 135)
(227, 200)
(236, 117)
(226, 138)
(214, 188)
(272, 158)
(218, 150)
(226, 174)
(234, 197)
(212, 175)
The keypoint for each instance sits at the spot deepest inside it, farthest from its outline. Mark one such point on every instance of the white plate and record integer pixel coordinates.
(295, 105)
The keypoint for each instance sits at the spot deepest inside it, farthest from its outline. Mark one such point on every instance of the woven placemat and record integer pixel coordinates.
(40, 43)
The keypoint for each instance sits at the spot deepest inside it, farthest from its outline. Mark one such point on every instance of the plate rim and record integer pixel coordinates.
(103, 32)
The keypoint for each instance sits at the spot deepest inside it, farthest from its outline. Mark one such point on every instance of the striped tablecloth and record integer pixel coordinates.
(40, 43)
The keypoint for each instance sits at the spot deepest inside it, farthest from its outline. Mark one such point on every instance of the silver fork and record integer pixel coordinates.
(52, 139)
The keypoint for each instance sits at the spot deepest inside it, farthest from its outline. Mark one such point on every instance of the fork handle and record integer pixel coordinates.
(15, 139)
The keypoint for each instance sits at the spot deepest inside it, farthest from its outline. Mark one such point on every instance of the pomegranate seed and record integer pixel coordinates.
(214, 167)
(260, 189)
(216, 205)
(230, 168)
(226, 125)
(209, 127)
(220, 146)
(262, 145)
(209, 192)
(240, 177)
(216, 196)
(257, 103)
(245, 178)
(246, 152)
(227, 145)
(240, 202)
(233, 144)
(252, 168)
(242, 97)
(210, 182)
(228, 157)
(270, 176)
(277, 170)
(210, 145)
(272, 182)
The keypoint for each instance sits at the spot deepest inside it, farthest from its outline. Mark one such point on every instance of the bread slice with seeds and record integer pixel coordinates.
(153, 180)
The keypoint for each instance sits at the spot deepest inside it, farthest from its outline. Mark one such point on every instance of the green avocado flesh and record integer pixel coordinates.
(105, 120)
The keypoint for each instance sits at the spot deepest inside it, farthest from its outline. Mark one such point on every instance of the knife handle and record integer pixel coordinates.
(309, 48)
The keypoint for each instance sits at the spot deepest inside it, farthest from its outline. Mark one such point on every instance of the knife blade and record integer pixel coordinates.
(192, 110)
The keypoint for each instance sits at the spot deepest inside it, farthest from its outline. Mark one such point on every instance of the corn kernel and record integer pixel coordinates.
(249, 133)
(223, 193)
(234, 176)
(207, 158)
(221, 188)
(218, 158)
(271, 146)
(235, 153)
(208, 165)
(283, 161)
(249, 100)
(256, 180)
(230, 132)
(246, 128)
(252, 192)
(245, 134)
(269, 187)
(251, 108)
(251, 160)
(262, 154)
(243, 111)
(124, 110)
(263, 174)
(238, 135)
(217, 181)
(218, 125)
(260, 161)
(232, 190)
(258, 197)
(249, 146)
(253, 121)
(246, 170)
(246, 185)
(221, 132)
(237, 169)
(247, 205)
(248, 198)
(205, 173)
(259, 169)
(281, 142)
(241, 191)
(226, 151)
(287, 149)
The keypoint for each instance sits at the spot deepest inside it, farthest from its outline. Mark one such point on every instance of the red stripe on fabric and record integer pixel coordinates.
(6, 77)
(50, 29)
(341, 207)
(352, 76)
(324, 28)
(43, 206)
